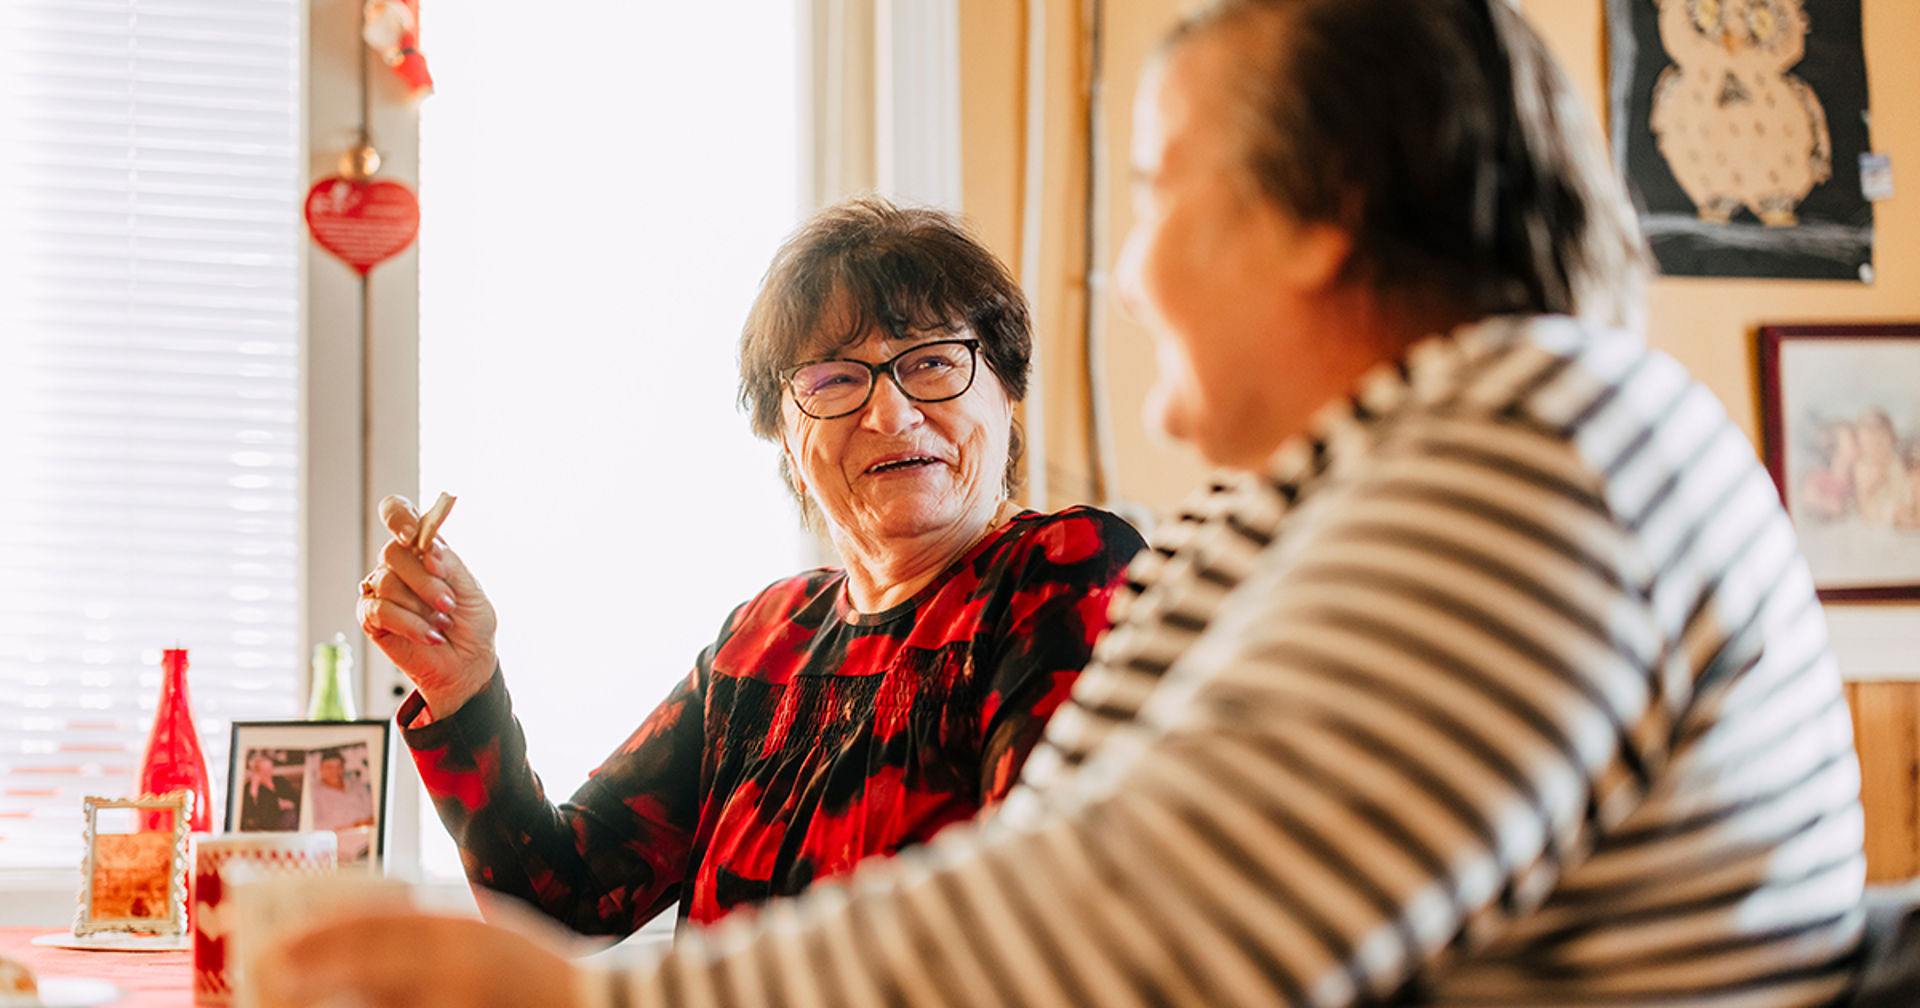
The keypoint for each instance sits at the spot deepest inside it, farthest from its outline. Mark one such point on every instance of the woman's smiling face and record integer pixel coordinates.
(896, 470)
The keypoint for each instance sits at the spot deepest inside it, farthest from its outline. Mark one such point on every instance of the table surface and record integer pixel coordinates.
(146, 979)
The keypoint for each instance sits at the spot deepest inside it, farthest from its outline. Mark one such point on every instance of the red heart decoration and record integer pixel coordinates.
(362, 223)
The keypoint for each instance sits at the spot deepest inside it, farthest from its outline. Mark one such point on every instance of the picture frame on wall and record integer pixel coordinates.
(1840, 427)
(313, 775)
(1746, 147)
(133, 876)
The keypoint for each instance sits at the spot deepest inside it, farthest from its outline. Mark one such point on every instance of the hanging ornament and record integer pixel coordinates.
(392, 28)
(360, 162)
(362, 220)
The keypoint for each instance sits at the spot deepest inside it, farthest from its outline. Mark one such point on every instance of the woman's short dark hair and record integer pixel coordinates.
(1443, 136)
(865, 264)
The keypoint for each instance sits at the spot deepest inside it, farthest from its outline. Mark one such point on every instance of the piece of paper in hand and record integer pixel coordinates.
(430, 522)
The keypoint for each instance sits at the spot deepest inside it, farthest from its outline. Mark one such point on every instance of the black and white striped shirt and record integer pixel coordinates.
(1504, 686)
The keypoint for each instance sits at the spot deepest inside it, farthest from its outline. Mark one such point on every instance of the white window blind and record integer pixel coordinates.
(149, 399)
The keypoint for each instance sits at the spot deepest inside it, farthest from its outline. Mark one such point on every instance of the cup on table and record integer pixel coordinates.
(215, 917)
(270, 905)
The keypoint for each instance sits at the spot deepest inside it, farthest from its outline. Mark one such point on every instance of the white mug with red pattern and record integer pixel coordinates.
(312, 853)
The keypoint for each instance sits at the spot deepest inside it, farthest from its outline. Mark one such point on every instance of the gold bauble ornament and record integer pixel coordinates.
(360, 162)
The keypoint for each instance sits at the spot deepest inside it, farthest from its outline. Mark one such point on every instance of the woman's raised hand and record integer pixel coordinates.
(426, 612)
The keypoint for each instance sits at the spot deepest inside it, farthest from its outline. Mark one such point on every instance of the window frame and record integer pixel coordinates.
(360, 415)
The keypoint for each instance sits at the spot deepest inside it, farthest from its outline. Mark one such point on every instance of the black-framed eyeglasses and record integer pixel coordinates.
(929, 373)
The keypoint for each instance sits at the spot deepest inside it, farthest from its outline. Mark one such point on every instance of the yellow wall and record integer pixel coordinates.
(992, 109)
(1152, 472)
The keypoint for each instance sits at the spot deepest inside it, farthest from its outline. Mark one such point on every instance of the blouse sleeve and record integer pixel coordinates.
(1060, 587)
(604, 862)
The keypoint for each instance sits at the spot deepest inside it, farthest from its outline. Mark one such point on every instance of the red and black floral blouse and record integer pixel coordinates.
(807, 737)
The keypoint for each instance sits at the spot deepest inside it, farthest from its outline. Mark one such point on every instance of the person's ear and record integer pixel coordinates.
(1316, 254)
(790, 464)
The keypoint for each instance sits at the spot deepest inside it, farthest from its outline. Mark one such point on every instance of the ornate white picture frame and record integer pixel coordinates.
(133, 877)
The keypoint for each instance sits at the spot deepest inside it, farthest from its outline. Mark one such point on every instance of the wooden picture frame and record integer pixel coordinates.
(308, 775)
(1840, 430)
(133, 876)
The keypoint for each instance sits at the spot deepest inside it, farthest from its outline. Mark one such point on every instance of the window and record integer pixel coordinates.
(149, 388)
(600, 200)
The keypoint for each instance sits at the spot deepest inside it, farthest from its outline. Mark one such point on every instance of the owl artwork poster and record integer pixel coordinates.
(1740, 125)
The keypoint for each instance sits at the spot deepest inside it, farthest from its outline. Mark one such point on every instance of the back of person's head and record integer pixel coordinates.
(1443, 136)
(865, 264)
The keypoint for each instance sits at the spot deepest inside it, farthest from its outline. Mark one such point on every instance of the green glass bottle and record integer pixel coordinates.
(331, 698)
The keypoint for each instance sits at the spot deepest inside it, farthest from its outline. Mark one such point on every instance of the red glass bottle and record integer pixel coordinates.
(174, 760)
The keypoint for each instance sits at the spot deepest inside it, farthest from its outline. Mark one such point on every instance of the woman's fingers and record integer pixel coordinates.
(425, 569)
(400, 597)
(399, 516)
(388, 585)
(425, 611)
(384, 616)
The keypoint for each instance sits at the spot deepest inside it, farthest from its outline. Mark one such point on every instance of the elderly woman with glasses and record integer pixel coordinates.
(844, 711)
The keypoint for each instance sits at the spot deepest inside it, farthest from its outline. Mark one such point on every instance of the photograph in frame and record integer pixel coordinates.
(313, 775)
(133, 876)
(1840, 414)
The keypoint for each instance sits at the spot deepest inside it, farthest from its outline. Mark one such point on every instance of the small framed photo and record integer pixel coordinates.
(312, 775)
(134, 873)
(1840, 423)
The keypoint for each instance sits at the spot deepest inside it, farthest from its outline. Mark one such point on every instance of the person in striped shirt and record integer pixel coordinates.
(1487, 672)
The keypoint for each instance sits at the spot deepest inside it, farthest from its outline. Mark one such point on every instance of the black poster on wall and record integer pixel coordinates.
(1740, 124)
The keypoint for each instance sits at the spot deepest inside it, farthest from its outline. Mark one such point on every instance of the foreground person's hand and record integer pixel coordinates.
(416, 961)
(424, 609)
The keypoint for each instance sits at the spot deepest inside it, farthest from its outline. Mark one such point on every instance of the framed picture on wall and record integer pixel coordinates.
(1742, 129)
(1840, 422)
(312, 775)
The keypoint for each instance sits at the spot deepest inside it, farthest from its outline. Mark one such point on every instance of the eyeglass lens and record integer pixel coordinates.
(931, 372)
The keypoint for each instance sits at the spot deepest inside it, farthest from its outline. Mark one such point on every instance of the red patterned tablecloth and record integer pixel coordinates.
(148, 979)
